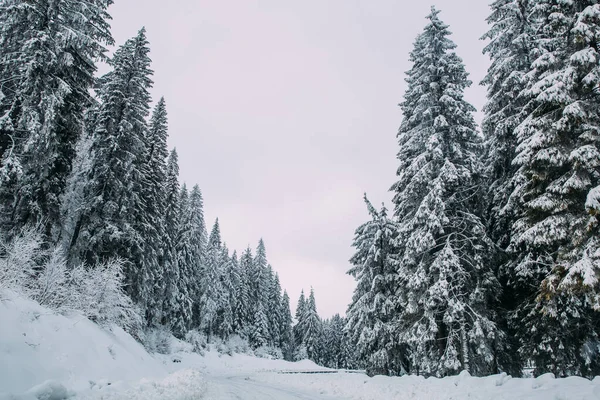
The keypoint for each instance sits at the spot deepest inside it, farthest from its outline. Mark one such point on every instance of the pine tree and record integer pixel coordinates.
(285, 330)
(174, 312)
(225, 319)
(154, 171)
(311, 328)
(555, 240)
(48, 52)
(373, 313)
(511, 44)
(194, 253)
(300, 306)
(243, 298)
(111, 222)
(274, 304)
(210, 287)
(260, 287)
(446, 284)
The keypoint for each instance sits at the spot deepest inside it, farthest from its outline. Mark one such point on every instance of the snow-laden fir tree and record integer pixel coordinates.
(243, 309)
(260, 288)
(511, 43)
(191, 250)
(300, 306)
(310, 328)
(175, 314)
(154, 175)
(374, 311)
(445, 283)
(511, 37)
(210, 290)
(285, 331)
(555, 242)
(275, 311)
(48, 54)
(111, 222)
(225, 317)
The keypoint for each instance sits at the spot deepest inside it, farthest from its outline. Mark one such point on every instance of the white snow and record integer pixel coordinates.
(44, 356)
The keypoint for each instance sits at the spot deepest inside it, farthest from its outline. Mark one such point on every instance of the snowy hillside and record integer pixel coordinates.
(49, 356)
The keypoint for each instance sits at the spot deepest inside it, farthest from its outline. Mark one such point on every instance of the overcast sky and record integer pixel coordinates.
(285, 113)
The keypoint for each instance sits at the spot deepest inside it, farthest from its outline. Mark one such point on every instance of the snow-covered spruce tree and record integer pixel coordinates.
(300, 306)
(310, 327)
(113, 217)
(274, 302)
(174, 312)
(285, 330)
(48, 54)
(511, 43)
(511, 37)
(210, 286)
(445, 283)
(555, 241)
(153, 194)
(260, 287)
(192, 253)
(226, 304)
(243, 308)
(374, 311)
(236, 283)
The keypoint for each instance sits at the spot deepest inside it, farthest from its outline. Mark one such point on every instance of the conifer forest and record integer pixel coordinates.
(487, 259)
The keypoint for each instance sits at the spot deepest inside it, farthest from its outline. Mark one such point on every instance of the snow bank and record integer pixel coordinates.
(497, 387)
(37, 345)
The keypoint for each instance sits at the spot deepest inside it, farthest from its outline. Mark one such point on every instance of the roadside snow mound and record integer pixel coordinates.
(38, 345)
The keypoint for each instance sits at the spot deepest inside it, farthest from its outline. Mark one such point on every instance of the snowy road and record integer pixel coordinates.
(245, 388)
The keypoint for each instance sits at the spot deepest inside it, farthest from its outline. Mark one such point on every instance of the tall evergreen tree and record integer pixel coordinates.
(374, 311)
(194, 252)
(311, 328)
(555, 240)
(154, 175)
(285, 331)
(174, 314)
(111, 222)
(48, 54)
(210, 285)
(511, 45)
(446, 283)
(244, 303)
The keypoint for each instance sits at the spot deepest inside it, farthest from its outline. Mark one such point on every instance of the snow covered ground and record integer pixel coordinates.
(52, 357)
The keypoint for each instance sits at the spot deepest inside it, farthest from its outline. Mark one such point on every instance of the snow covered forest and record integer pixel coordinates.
(489, 261)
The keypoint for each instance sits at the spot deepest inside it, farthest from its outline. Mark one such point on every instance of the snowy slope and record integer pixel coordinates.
(38, 345)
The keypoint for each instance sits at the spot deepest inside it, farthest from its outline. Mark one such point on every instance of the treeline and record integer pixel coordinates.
(85, 164)
(491, 258)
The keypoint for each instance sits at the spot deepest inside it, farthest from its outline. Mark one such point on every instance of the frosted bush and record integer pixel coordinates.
(158, 340)
(272, 353)
(20, 260)
(198, 341)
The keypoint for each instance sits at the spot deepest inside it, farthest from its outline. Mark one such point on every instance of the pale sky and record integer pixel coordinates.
(285, 113)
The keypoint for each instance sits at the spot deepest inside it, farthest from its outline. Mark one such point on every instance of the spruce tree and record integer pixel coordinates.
(446, 285)
(374, 311)
(511, 36)
(555, 240)
(193, 249)
(48, 54)
(210, 285)
(174, 312)
(113, 218)
(244, 308)
(285, 329)
(154, 171)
